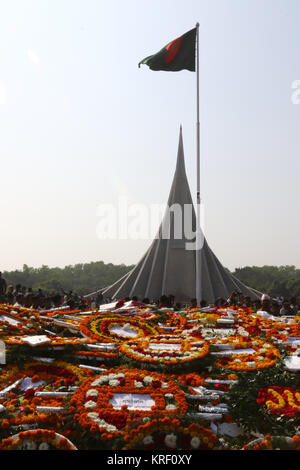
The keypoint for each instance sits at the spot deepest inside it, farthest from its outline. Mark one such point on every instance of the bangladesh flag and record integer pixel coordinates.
(177, 55)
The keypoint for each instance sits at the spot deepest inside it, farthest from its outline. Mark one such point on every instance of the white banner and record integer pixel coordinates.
(133, 401)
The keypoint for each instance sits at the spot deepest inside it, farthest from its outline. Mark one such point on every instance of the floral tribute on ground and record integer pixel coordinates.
(106, 404)
(141, 377)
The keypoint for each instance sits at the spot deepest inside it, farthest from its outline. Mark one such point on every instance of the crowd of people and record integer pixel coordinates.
(26, 297)
(21, 296)
(272, 306)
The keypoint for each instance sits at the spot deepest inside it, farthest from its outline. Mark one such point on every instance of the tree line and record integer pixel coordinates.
(277, 281)
(89, 277)
(80, 278)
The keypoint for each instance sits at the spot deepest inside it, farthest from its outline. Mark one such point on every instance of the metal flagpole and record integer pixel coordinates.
(198, 228)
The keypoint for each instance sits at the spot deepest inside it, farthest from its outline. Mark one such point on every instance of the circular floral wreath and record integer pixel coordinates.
(101, 328)
(282, 401)
(167, 350)
(59, 371)
(38, 439)
(174, 320)
(97, 404)
(274, 443)
(19, 325)
(246, 400)
(54, 341)
(50, 373)
(281, 332)
(169, 434)
(22, 409)
(9, 375)
(265, 355)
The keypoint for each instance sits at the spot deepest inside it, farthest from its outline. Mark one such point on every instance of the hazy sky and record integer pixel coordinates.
(82, 125)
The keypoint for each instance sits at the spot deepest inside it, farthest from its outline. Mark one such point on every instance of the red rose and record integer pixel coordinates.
(156, 384)
(29, 393)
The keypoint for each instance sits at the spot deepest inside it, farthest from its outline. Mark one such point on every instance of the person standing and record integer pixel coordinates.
(286, 309)
(9, 295)
(3, 287)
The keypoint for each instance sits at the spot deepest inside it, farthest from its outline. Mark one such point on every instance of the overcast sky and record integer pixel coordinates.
(82, 125)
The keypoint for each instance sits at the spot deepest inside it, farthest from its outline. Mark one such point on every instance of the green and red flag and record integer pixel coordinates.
(177, 55)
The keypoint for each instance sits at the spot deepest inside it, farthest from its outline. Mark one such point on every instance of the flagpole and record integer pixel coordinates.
(198, 227)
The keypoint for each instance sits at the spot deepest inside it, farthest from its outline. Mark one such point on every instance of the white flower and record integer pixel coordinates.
(104, 424)
(164, 385)
(92, 393)
(146, 419)
(169, 395)
(251, 364)
(93, 416)
(147, 440)
(170, 440)
(195, 442)
(242, 331)
(113, 383)
(99, 381)
(90, 404)
(171, 407)
(112, 376)
(43, 446)
(111, 428)
(138, 384)
(148, 380)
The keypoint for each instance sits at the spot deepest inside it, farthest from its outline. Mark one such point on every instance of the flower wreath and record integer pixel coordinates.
(200, 330)
(254, 324)
(59, 371)
(9, 375)
(282, 332)
(22, 409)
(265, 355)
(209, 317)
(169, 434)
(175, 320)
(54, 341)
(193, 380)
(65, 322)
(158, 350)
(93, 401)
(274, 443)
(96, 355)
(283, 401)
(242, 396)
(100, 328)
(38, 439)
(23, 325)
(17, 311)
